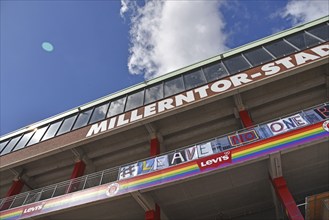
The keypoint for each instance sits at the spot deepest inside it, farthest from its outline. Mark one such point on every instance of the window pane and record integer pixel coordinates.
(116, 107)
(258, 56)
(99, 113)
(135, 100)
(67, 125)
(52, 130)
(194, 79)
(37, 136)
(280, 48)
(153, 93)
(236, 64)
(173, 86)
(83, 119)
(214, 71)
(3, 144)
(321, 31)
(302, 40)
(11, 145)
(21, 144)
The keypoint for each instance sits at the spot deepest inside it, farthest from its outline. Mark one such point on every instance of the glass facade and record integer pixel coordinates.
(116, 107)
(258, 56)
(37, 136)
(99, 113)
(10, 145)
(23, 141)
(236, 64)
(214, 71)
(67, 125)
(153, 93)
(173, 86)
(53, 128)
(83, 119)
(135, 100)
(280, 48)
(194, 79)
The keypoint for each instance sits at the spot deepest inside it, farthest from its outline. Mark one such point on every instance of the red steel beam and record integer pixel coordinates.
(79, 169)
(245, 118)
(15, 189)
(153, 214)
(288, 202)
(154, 147)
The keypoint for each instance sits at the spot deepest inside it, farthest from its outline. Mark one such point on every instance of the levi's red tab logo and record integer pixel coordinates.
(33, 209)
(214, 161)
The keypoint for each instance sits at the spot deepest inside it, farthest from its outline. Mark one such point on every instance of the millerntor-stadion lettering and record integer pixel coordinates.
(214, 88)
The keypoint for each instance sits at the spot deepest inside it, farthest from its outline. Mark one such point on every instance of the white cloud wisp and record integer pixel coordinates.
(168, 35)
(306, 10)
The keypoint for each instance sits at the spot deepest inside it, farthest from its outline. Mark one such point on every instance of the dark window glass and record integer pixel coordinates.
(37, 136)
(321, 31)
(67, 125)
(83, 119)
(52, 130)
(194, 79)
(173, 86)
(214, 71)
(258, 56)
(236, 64)
(153, 93)
(3, 144)
(22, 142)
(302, 40)
(11, 145)
(116, 107)
(280, 48)
(135, 100)
(99, 113)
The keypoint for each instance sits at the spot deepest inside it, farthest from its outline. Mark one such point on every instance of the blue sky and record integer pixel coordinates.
(101, 47)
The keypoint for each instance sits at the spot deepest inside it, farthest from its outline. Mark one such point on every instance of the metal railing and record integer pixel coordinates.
(112, 174)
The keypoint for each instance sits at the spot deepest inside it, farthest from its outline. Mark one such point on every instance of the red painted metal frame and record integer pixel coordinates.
(288, 202)
(15, 189)
(79, 169)
(154, 147)
(153, 214)
(245, 118)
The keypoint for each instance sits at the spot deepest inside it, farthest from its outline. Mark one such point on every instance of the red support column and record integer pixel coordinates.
(15, 189)
(153, 214)
(154, 147)
(245, 118)
(79, 169)
(286, 198)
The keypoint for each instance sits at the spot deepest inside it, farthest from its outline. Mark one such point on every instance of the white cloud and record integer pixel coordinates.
(301, 11)
(167, 35)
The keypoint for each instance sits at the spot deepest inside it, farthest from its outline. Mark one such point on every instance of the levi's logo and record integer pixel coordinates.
(214, 161)
(30, 210)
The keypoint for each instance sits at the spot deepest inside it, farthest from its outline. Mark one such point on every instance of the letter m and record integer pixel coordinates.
(96, 128)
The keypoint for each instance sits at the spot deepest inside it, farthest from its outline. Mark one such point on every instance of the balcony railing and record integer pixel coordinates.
(112, 174)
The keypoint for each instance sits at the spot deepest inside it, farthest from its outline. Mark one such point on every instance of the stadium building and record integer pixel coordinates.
(243, 135)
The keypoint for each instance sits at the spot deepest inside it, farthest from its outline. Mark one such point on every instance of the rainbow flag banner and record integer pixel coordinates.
(261, 148)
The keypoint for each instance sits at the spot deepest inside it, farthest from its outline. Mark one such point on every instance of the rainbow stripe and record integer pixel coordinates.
(280, 142)
(258, 149)
(162, 176)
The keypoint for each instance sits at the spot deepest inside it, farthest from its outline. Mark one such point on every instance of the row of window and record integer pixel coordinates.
(169, 87)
